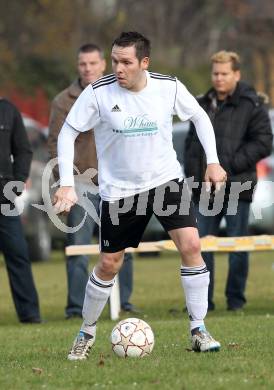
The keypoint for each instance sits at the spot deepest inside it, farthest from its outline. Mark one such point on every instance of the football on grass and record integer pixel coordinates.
(132, 337)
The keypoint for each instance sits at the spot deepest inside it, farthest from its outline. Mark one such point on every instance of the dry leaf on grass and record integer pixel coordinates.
(102, 360)
(37, 370)
(189, 350)
(234, 345)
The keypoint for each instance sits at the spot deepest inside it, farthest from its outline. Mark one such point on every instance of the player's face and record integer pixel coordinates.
(128, 70)
(224, 78)
(90, 67)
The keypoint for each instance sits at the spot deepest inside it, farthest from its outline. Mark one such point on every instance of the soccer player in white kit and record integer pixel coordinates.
(131, 112)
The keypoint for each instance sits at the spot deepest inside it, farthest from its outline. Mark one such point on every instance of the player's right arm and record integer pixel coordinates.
(65, 197)
(83, 116)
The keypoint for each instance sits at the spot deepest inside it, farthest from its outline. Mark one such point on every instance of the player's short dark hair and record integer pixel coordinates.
(90, 48)
(133, 38)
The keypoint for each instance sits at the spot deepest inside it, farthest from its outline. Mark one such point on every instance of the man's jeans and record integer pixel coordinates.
(236, 225)
(126, 282)
(15, 250)
(77, 266)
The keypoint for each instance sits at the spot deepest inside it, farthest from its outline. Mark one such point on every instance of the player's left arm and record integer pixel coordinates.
(187, 108)
(214, 174)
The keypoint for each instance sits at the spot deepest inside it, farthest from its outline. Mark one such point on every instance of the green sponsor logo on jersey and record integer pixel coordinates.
(138, 124)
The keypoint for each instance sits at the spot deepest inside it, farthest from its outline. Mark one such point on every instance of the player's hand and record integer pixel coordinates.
(215, 175)
(64, 199)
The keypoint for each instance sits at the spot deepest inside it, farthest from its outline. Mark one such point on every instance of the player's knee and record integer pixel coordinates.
(191, 247)
(109, 263)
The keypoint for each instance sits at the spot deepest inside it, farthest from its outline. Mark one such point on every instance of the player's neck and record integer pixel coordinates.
(141, 83)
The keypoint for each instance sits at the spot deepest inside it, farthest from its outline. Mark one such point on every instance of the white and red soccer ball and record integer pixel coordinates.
(132, 337)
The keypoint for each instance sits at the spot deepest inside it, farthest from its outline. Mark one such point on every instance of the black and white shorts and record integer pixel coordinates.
(123, 221)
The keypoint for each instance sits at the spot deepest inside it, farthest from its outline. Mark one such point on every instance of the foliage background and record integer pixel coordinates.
(39, 38)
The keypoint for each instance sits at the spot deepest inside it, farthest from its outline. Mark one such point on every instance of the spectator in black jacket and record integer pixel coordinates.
(15, 160)
(243, 136)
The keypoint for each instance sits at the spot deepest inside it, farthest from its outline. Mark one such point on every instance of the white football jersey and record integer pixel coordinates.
(133, 131)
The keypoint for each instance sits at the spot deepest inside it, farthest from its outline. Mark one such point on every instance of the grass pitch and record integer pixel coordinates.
(34, 356)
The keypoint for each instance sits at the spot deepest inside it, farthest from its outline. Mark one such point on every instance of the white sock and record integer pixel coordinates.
(195, 281)
(97, 294)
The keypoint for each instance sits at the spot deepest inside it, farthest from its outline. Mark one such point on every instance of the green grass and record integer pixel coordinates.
(245, 362)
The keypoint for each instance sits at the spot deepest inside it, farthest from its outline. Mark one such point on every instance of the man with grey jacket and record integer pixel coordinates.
(91, 66)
